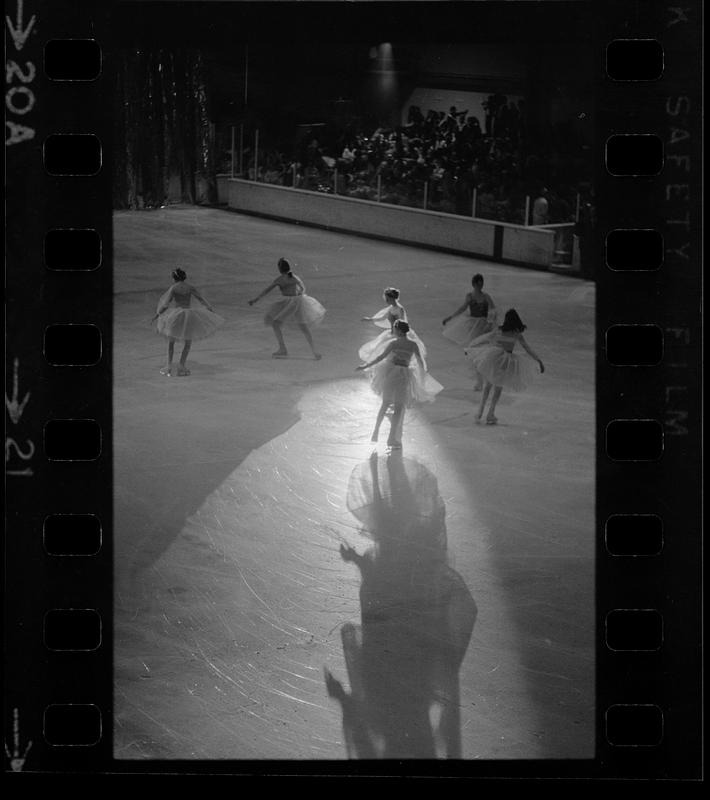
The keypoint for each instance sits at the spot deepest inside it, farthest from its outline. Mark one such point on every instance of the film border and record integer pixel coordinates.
(36, 392)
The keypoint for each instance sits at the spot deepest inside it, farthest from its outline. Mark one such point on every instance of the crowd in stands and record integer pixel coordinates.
(451, 154)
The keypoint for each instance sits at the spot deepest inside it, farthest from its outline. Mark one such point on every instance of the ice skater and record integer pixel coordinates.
(178, 320)
(401, 379)
(464, 328)
(294, 307)
(493, 357)
(386, 318)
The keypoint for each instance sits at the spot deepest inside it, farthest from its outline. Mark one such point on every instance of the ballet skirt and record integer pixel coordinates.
(300, 309)
(385, 318)
(407, 385)
(499, 366)
(181, 321)
(464, 328)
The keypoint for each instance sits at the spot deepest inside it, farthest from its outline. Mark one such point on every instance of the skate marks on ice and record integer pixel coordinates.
(314, 564)
(417, 616)
(240, 616)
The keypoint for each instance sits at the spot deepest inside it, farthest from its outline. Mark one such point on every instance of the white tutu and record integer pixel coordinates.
(501, 368)
(370, 350)
(465, 328)
(299, 310)
(407, 385)
(188, 323)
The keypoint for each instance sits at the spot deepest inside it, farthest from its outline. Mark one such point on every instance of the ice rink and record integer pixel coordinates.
(284, 589)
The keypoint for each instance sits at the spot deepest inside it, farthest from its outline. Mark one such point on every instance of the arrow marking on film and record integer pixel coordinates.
(14, 408)
(19, 36)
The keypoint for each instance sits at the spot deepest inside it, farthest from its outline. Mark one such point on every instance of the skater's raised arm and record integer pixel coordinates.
(459, 310)
(531, 352)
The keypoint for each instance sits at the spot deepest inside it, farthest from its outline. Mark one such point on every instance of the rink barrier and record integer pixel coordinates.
(505, 242)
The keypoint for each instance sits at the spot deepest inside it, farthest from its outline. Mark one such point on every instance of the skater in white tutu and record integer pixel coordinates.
(400, 378)
(464, 328)
(386, 318)
(178, 320)
(492, 355)
(295, 307)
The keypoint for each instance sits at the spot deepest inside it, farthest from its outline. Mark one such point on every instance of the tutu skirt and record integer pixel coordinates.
(465, 328)
(376, 346)
(502, 368)
(188, 323)
(406, 385)
(299, 310)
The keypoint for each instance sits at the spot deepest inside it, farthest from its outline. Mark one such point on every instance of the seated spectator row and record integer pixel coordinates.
(444, 162)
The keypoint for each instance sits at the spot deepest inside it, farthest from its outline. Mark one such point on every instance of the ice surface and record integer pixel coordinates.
(284, 589)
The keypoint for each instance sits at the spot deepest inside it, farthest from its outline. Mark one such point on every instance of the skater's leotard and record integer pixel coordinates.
(464, 328)
(177, 320)
(295, 306)
(478, 308)
(401, 378)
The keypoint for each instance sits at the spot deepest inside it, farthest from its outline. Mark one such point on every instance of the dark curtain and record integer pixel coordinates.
(163, 148)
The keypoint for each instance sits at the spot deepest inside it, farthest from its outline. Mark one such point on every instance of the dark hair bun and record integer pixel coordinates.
(401, 325)
(179, 274)
(512, 322)
(390, 291)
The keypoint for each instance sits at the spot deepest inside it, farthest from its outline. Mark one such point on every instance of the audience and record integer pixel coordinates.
(454, 154)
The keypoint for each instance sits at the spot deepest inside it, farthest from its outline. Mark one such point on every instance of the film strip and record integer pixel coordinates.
(58, 691)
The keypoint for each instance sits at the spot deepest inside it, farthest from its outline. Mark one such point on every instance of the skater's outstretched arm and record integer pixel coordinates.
(459, 310)
(492, 311)
(483, 339)
(379, 358)
(531, 352)
(418, 356)
(266, 291)
(201, 299)
(381, 314)
(164, 303)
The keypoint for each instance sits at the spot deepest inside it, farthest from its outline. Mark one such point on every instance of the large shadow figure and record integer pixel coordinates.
(417, 616)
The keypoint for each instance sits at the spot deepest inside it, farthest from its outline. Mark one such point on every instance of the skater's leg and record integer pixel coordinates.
(182, 369)
(168, 368)
(479, 380)
(396, 425)
(309, 338)
(491, 418)
(280, 339)
(380, 416)
(484, 399)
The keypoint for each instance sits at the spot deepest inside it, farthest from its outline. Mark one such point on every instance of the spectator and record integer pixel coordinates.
(586, 233)
(452, 153)
(540, 209)
(348, 155)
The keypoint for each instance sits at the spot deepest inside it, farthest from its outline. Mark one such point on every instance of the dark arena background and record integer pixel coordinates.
(286, 589)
